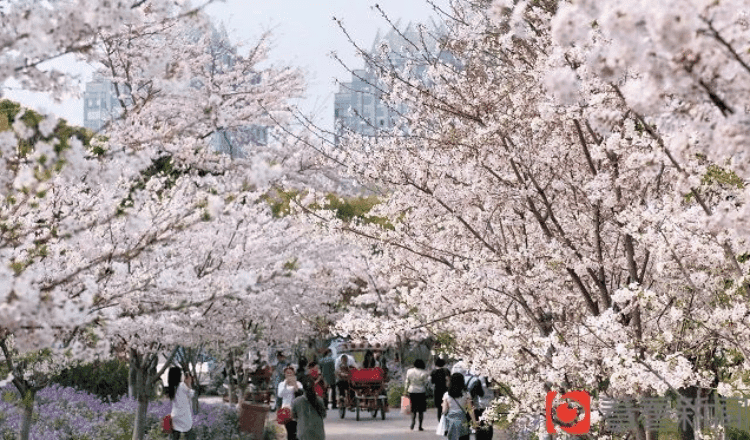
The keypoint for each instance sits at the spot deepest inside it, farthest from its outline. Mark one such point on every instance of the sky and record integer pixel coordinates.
(303, 35)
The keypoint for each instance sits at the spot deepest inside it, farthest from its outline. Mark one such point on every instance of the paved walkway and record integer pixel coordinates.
(395, 426)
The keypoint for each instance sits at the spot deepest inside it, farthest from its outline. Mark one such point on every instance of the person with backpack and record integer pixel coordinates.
(309, 411)
(457, 409)
(181, 395)
(481, 396)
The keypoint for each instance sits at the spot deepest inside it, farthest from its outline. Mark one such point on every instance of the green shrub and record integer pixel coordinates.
(395, 391)
(107, 380)
(737, 434)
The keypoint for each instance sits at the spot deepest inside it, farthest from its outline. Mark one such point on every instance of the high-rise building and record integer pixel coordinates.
(100, 104)
(358, 105)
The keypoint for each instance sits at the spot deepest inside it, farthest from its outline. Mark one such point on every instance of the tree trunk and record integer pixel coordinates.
(131, 381)
(28, 411)
(140, 388)
(195, 400)
(132, 376)
(139, 425)
(241, 386)
(230, 377)
(144, 375)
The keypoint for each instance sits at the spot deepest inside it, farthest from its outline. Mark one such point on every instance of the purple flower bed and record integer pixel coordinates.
(68, 414)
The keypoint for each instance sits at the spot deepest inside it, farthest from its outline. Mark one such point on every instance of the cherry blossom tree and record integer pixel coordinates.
(108, 228)
(560, 206)
(220, 269)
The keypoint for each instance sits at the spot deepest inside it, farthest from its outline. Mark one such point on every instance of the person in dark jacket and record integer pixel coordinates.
(369, 361)
(302, 368)
(309, 411)
(439, 378)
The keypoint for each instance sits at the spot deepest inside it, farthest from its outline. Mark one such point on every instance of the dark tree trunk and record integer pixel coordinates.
(131, 380)
(28, 412)
(139, 425)
(145, 376)
(142, 393)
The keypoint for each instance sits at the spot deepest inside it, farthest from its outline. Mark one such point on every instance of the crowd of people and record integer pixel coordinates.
(459, 396)
(303, 394)
(308, 389)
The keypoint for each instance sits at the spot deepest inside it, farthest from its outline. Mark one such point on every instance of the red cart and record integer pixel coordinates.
(368, 387)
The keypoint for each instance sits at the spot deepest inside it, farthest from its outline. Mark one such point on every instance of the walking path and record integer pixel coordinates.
(395, 426)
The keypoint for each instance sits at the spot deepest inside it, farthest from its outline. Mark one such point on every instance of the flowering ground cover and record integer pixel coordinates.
(64, 413)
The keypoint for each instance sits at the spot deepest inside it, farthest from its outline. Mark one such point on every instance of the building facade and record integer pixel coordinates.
(100, 104)
(359, 106)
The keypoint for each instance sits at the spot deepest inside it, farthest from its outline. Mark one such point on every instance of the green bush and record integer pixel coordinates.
(107, 380)
(737, 434)
(395, 391)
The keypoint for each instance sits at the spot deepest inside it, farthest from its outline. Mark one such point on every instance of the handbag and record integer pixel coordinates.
(405, 405)
(166, 424)
(442, 426)
(283, 415)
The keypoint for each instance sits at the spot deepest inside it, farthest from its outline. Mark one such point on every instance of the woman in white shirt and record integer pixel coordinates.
(416, 386)
(286, 392)
(181, 394)
(456, 407)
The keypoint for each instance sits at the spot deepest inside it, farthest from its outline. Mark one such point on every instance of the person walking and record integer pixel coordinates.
(287, 391)
(458, 409)
(309, 411)
(181, 394)
(328, 369)
(313, 371)
(481, 397)
(439, 378)
(416, 386)
(278, 374)
(302, 368)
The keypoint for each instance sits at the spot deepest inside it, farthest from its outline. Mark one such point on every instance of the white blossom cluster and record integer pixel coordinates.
(145, 239)
(569, 200)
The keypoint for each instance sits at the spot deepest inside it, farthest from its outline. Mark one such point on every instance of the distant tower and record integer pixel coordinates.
(358, 105)
(100, 104)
